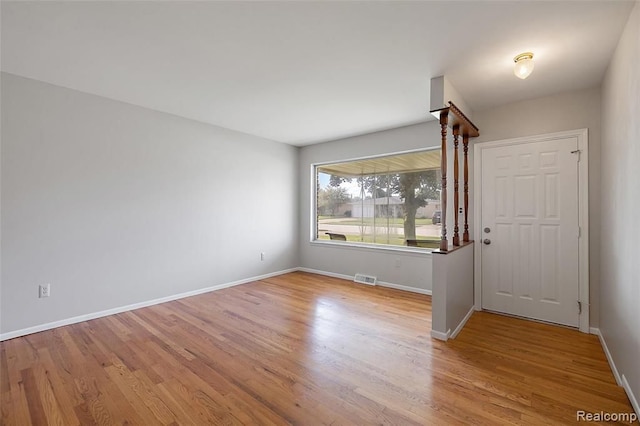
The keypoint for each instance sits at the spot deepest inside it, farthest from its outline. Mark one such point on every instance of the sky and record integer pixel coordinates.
(353, 189)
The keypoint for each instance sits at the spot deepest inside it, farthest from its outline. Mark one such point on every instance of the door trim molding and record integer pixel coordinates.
(582, 136)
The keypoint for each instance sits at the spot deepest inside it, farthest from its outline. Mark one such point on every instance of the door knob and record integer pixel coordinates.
(487, 241)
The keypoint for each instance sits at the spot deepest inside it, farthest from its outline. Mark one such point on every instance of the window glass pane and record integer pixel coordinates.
(334, 203)
(392, 200)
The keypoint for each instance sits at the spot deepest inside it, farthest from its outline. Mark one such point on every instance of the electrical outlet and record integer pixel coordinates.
(45, 290)
(398, 263)
(262, 256)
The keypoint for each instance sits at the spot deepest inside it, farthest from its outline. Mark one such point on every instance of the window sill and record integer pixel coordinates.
(372, 247)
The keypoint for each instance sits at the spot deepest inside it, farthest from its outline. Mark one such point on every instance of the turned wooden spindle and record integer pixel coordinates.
(456, 179)
(460, 125)
(444, 118)
(465, 147)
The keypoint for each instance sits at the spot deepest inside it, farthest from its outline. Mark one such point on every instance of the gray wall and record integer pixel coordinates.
(115, 204)
(620, 255)
(565, 111)
(452, 291)
(413, 269)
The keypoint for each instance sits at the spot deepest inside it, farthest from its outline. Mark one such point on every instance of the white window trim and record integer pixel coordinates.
(313, 229)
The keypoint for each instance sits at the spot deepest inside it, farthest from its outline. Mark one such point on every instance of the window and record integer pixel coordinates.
(392, 200)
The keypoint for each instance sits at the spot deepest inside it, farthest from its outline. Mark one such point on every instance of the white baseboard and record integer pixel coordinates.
(630, 395)
(612, 364)
(325, 273)
(100, 314)
(463, 322)
(440, 335)
(405, 288)
(621, 380)
(380, 283)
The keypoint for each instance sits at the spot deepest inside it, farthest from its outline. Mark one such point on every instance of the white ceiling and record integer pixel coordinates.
(307, 72)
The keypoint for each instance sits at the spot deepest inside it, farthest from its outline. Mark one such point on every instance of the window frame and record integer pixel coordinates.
(313, 229)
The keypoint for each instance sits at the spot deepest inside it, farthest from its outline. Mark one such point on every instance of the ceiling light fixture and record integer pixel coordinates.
(524, 65)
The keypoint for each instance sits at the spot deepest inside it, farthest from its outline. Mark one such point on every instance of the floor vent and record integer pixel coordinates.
(365, 279)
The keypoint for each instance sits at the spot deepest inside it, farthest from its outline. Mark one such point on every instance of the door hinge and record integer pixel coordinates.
(579, 307)
(577, 151)
(579, 231)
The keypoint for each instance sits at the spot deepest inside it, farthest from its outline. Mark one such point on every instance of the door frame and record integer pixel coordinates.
(582, 136)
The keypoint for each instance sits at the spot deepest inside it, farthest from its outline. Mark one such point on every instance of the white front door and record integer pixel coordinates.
(530, 230)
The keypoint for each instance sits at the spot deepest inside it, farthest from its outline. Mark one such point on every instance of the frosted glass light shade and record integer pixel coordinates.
(524, 65)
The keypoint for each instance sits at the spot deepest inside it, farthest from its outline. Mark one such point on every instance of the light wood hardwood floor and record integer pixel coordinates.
(302, 349)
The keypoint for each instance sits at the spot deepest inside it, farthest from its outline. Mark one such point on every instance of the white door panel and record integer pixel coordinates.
(530, 209)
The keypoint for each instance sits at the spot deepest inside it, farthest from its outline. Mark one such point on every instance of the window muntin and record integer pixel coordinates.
(383, 200)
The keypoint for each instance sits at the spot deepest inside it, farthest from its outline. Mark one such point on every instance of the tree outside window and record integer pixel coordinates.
(384, 200)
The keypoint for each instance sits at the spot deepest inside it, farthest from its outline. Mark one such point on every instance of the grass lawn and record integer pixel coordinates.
(368, 221)
(395, 240)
